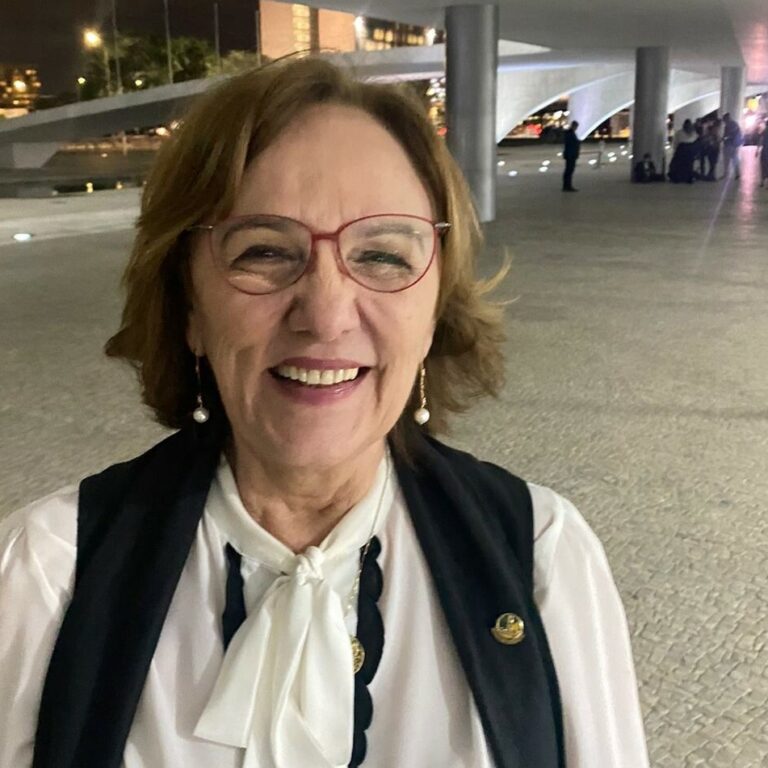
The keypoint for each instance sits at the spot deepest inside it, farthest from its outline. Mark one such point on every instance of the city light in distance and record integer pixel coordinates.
(92, 38)
(19, 85)
(81, 80)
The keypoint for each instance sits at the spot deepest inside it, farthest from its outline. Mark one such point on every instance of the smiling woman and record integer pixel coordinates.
(302, 575)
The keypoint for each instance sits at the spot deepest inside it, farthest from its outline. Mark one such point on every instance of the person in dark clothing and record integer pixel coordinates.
(711, 148)
(701, 157)
(732, 141)
(681, 166)
(571, 150)
(762, 148)
(645, 171)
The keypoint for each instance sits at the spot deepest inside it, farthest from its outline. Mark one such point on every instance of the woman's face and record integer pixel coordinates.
(332, 165)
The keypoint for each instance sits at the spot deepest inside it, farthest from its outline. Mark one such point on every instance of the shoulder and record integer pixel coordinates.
(562, 538)
(40, 540)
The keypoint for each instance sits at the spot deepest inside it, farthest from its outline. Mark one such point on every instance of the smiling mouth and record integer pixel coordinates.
(313, 377)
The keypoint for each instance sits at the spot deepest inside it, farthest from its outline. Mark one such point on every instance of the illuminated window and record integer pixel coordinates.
(378, 34)
(390, 36)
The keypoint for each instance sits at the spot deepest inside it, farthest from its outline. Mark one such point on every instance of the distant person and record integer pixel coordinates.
(645, 170)
(700, 128)
(681, 166)
(571, 150)
(711, 149)
(762, 149)
(732, 140)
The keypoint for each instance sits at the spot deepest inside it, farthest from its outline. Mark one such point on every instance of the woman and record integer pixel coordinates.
(685, 150)
(300, 576)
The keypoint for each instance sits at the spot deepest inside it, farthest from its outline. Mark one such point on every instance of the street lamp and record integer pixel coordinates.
(80, 83)
(92, 39)
(138, 82)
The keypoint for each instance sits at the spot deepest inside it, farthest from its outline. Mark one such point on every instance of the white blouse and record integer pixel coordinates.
(424, 713)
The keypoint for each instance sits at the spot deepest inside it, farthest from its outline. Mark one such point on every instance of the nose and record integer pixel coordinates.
(325, 299)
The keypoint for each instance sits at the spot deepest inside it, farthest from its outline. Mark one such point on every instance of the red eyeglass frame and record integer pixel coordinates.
(440, 228)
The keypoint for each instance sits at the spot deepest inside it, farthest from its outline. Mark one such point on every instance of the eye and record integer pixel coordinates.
(375, 257)
(264, 254)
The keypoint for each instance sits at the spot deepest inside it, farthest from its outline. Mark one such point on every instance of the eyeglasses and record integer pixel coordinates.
(264, 254)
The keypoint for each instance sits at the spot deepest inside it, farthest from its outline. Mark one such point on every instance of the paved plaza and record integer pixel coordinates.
(637, 386)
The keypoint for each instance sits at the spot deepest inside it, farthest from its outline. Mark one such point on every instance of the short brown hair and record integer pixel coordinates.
(195, 178)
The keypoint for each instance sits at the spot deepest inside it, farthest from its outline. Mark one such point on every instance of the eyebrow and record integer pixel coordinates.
(256, 223)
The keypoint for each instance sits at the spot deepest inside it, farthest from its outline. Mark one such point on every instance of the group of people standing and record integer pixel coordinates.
(698, 147)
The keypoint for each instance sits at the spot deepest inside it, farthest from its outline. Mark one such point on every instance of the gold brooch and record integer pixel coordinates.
(358, 654)
(509, 629)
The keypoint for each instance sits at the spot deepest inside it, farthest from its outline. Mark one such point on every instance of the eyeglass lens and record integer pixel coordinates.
(263, 254)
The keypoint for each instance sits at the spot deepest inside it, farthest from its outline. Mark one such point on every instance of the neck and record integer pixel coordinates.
(300, 506)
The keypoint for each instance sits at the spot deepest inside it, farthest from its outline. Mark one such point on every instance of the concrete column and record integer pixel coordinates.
(649, 129)
(732, 86)
(472, 33)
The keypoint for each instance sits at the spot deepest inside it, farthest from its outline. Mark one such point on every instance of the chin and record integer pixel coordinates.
(300, 446)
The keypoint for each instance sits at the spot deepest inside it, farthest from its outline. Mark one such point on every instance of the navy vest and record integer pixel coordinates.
(137, 522)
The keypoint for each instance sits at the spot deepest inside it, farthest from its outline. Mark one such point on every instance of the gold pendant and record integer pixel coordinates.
(358, 654)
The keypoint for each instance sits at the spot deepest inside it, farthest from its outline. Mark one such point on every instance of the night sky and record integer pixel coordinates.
(47, 34)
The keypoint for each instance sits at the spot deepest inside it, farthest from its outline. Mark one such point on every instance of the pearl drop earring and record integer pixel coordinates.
(421, 414)
(201, 413)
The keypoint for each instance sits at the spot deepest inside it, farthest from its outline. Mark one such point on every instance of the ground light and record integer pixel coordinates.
(22, 237)
(501, 163)
(511, 173)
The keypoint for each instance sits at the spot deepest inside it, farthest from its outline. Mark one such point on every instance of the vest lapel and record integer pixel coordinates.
(136, 525)
(477, 578)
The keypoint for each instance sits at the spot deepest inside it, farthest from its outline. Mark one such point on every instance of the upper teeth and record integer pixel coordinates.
(317, 377)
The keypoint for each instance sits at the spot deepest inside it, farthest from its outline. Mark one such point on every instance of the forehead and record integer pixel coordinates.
(332, 164)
